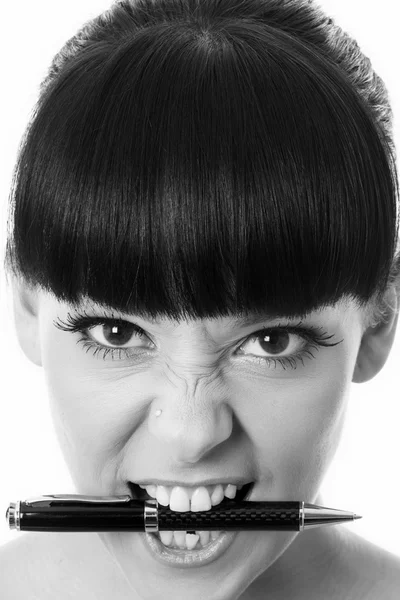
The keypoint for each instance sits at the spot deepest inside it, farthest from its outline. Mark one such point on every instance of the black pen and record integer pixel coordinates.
(76, 512)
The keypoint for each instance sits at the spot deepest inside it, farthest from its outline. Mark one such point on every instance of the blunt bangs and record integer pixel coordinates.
(182, 171)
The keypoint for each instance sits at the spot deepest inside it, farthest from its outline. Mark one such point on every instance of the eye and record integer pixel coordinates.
(115, 333)
(107, 335)
(285, 345)
(272, 342)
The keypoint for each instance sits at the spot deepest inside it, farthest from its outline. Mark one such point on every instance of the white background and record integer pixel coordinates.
(364, 474)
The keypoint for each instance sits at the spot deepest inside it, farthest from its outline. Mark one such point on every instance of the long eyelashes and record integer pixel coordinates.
(314, 336)
(80, 322)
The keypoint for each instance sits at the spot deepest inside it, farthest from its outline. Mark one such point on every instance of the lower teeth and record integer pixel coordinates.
(187, 541)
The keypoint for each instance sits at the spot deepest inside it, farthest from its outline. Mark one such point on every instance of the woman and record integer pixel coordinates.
(204, 256)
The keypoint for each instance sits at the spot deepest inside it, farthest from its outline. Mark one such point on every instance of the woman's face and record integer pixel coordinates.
(225, 416)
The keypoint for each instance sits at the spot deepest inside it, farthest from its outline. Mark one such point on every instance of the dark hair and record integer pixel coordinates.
(195, 159)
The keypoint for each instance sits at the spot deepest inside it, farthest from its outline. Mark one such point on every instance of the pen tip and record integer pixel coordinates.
(357, 517)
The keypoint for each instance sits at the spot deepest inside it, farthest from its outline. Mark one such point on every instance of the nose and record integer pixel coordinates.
(193, 420)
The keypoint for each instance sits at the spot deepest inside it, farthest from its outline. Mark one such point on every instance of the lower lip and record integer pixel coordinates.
(188, 558)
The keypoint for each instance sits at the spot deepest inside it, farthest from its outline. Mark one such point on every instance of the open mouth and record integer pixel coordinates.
(193, 540)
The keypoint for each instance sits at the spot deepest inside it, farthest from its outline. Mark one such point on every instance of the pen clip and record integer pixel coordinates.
(77, 498)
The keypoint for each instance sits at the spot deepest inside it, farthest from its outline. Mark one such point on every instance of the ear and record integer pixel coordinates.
(26, 319)
(377, 342)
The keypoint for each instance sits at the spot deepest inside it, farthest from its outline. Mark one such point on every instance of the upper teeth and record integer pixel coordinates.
(191, 499)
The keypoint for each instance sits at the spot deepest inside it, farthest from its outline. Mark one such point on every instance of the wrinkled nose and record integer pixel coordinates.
(193, 421)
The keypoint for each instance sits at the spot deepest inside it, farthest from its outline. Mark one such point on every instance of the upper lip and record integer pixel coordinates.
(169, 483)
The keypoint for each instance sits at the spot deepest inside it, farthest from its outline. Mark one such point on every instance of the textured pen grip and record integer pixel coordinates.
(233, 516)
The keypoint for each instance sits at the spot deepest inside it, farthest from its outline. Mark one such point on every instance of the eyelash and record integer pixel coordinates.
(315, 337)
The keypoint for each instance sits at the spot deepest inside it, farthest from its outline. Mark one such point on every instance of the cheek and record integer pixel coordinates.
(296, 425)
(85, 395)
(91, 417)
(315, 436)
(316, 413)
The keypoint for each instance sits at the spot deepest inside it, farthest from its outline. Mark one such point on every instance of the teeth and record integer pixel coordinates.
(179, 500)
(162, 495)
(180, 539)
(218, 495)
(230, 491)
(166, 537)
(151, 490)
(204, 537)
(200, 500)
(182, 499)
(188, 541)
(191, 540)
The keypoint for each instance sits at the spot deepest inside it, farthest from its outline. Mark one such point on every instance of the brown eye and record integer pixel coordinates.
(275, 342)
(108, 335)
(119, 333)
(115, 333)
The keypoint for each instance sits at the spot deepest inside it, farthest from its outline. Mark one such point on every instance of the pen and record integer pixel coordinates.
(76, 512)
